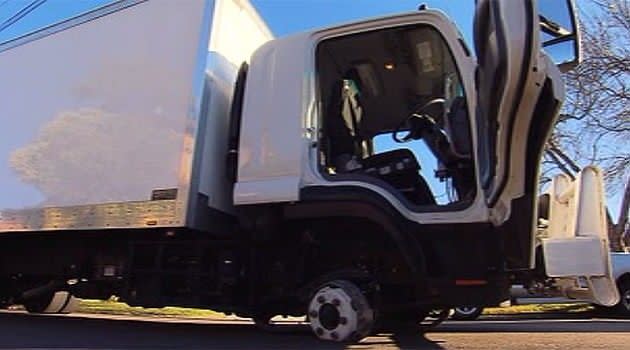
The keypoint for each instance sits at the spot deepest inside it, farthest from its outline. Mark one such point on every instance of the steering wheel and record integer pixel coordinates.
(417, 122)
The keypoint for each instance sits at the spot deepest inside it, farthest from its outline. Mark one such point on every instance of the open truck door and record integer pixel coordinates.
(522, 47)
(511, 75)
(519, 94)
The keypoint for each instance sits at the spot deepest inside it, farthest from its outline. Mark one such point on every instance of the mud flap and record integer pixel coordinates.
(575, 243)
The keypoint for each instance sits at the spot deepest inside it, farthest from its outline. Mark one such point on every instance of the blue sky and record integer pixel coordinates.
(283, 16)
(286, 16)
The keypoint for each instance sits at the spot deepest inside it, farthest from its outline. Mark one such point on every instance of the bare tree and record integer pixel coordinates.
(595, 124)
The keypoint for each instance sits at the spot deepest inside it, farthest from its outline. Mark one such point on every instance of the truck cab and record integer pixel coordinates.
(397, 137)
(399, 109)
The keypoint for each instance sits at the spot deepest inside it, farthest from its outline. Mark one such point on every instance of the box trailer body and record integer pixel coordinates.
(174, 153)
(99, 102)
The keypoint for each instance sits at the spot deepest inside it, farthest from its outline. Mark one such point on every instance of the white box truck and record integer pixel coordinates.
(175, 153)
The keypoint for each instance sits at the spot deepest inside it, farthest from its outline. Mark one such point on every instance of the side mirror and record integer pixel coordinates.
(560, 34)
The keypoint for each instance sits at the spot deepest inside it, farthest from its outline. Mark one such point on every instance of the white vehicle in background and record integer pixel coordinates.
(568, 208)
(521, 296)
(621, 272)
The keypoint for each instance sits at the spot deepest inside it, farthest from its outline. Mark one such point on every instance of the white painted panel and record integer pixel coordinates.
(99, 110)
(270, 190)
(574, 257)
(273, 141)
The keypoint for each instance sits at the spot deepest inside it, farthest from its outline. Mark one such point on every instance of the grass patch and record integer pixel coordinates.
(539, 308)
(112, 307)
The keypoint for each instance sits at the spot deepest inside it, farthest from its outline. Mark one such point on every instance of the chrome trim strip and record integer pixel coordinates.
(96, 216)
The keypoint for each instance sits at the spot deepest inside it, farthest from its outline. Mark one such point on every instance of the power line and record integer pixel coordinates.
(21, 14)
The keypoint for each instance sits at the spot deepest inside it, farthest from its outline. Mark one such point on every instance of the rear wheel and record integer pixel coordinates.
(61, 302)
(338, 311)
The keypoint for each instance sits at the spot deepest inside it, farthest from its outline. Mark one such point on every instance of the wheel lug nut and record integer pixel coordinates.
(313, 314)
(321, 299)
(336, 302)
(319, 331)
(343, 320)
(334, 335)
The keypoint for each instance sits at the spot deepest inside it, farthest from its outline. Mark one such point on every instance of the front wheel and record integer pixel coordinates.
(338, 311)
(466, 313)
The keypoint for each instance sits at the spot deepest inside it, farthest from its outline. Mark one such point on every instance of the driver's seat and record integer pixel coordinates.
(400, 169)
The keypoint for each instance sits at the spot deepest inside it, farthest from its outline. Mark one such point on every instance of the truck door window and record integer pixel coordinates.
(394, 113)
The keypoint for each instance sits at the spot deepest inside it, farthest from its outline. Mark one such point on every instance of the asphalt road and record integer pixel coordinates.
(22, 331)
